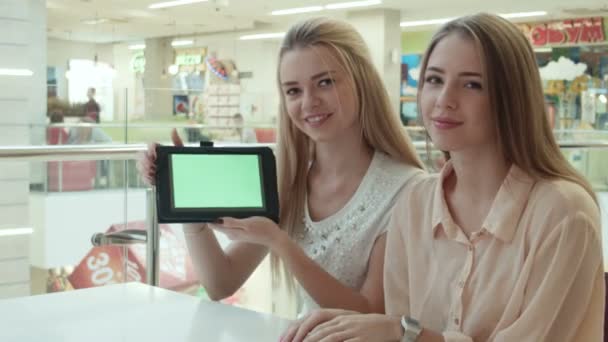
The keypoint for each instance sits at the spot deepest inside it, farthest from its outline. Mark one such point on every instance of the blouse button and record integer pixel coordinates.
(456, 321)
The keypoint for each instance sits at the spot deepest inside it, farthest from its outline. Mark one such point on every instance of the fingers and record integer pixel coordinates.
(177, 141)
(305, 329)
(230, 222)
(327, 324)
(316, 318)
(338, 336)
(327, 331)
(152, 150)
(146, 164)
(290, 333)
(233, 234)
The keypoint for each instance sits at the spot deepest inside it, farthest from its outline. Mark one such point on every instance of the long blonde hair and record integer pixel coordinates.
(381, 128)
(516, 95)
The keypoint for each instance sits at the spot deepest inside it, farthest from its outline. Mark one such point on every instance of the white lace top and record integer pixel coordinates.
(341, 243)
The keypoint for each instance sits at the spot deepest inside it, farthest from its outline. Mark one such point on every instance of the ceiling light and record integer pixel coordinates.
(174, 3)
(425, 22)
(16, 72)
(341, 5)
(182, 42)
(445, 20)
(523, 14)
(263, 36)
(137, 47)
(16, 231)
(95, 21)
(297, 10)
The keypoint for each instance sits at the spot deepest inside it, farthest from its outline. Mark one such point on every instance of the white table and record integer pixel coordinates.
(131, 312)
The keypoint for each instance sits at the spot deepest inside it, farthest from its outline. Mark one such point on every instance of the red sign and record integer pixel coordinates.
(106, 264)
(566, 32)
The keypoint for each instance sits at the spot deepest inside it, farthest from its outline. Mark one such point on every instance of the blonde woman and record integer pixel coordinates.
(504, 244)
(342, 158)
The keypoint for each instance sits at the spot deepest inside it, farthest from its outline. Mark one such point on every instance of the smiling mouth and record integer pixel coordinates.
(446, 123)
(315, 119)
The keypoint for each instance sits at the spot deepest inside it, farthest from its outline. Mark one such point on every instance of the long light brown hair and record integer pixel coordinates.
(381, 128)
(516, 95)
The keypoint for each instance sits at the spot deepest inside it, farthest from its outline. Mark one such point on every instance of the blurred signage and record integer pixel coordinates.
(565, 32)
(138, 62)
(190, 56)
(188, 59)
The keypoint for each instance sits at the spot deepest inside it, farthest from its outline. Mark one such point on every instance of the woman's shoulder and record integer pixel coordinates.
(565, 198)
(392, 167)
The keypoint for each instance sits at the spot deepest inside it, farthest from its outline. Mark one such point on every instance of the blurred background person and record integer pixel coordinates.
(56, 135)
(92, 108)
(244, 134)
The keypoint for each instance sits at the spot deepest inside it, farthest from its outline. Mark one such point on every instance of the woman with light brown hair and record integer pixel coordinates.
(342, 158)
(505, 243)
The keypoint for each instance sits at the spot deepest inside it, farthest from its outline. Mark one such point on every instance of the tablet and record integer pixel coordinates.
(202, 184)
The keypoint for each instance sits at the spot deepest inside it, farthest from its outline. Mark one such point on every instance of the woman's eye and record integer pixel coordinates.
(292, 91)
(433, 80)
(326, 82)
(473, 85)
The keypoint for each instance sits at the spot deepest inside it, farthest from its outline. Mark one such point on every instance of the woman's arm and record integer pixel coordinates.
(326, 290)
(565, 292)
(329, 292)
(221, 272)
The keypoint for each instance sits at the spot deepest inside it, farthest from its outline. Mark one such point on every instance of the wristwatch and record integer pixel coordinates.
(411, 329)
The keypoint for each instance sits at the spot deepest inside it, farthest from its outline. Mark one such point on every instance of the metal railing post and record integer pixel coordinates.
(153, 236)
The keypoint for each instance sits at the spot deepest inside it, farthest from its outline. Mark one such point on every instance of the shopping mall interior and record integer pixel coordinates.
(86, 84)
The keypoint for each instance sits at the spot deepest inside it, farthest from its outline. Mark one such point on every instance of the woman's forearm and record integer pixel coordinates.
(220, 272)
(326, 290)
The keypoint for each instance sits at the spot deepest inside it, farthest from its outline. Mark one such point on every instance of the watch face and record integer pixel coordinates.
(411, 329)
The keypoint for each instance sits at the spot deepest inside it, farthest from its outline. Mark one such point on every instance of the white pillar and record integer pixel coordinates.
(381, 31)
(157, 80)
(22, 116)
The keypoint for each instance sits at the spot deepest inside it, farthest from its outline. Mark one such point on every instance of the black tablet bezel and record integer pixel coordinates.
(164, 196)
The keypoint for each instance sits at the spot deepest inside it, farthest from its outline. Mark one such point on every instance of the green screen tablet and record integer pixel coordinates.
(202, 184)
(216, 181)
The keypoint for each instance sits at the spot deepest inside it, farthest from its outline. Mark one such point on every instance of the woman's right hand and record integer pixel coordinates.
(298, 330)
(146, 162)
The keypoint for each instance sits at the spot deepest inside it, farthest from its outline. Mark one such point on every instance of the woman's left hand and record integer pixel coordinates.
(357, 328)
(257, 230)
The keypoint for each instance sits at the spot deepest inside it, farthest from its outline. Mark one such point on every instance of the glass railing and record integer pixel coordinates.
(67, 205)
(85, 233)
